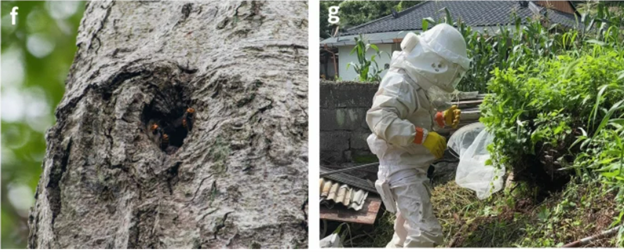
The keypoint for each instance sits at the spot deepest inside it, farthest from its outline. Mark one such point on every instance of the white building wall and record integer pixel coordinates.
(344, 58)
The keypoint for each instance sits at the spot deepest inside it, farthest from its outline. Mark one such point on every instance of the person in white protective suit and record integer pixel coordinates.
(407, 107)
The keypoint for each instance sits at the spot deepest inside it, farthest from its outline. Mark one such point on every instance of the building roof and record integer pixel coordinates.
(383, 37)
(473, 13)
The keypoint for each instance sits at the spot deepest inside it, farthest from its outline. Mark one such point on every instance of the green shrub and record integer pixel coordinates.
(557, 115)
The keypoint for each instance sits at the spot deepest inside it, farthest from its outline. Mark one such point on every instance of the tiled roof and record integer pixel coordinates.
(473, 13)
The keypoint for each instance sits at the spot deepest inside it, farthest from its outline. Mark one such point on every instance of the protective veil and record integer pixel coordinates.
(404, 112)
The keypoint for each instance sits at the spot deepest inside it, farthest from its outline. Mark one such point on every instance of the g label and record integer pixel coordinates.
(333, 18)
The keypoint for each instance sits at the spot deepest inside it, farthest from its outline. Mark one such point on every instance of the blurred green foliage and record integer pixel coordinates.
(37, 53)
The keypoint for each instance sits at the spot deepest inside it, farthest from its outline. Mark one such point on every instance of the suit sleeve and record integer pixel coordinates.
(392, 103)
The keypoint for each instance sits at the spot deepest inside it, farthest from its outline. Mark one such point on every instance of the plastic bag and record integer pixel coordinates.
(470, 143)
(464, 137)
(332, 241)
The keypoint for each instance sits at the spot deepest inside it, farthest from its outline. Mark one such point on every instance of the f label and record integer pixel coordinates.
(333, 18)
(13, 14)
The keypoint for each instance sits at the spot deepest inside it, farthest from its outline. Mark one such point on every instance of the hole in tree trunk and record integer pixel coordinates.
(169, 118)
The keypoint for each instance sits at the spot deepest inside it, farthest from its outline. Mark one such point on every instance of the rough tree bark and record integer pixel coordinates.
(236, 179)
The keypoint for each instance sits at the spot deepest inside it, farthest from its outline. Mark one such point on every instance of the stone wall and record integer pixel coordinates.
(343, 121)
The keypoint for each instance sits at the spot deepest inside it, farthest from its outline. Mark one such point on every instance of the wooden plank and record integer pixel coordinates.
(469, 116)
(366, 215)
(467, 102)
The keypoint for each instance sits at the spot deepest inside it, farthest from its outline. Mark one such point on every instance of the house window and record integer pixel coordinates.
(396, 47)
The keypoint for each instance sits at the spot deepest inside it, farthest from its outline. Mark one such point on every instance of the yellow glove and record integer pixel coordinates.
(449, 117)
(435, 143)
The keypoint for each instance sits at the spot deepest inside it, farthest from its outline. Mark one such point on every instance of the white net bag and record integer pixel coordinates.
(470, 143)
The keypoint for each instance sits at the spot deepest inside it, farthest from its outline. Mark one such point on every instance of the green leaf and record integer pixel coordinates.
(488, 162)
(374, 47)
(597, 105)
(449, 18)
(595, 42)
(353, 50)
(605, 119)
(426, 21)
(612, 174)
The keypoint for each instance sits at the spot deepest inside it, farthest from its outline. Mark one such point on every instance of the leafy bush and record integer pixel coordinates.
(556, 106)
(558, 114)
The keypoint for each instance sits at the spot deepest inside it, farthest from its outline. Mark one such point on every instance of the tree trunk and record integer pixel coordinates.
(233, 174)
